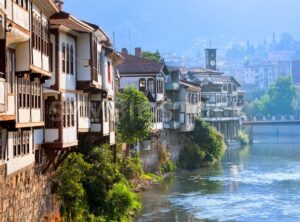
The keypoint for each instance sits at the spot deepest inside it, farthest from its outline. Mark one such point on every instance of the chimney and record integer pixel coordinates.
(138, 52)
(59, 4)
(124, 51)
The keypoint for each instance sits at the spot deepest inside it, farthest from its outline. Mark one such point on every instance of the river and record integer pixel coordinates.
(260, 182)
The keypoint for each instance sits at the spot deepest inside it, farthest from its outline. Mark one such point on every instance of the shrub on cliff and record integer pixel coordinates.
(132, 167)
(205, 145)
(244, 138)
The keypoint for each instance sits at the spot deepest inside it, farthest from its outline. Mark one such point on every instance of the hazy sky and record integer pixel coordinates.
(186, 26)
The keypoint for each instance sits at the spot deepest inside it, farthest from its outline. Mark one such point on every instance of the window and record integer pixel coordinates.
(22, 3)
(225, 88)
(68, 59)
(234, 88)
(151, 86)
(142, 85)
(23, 93)
(72, 59)
(83, 106)
(159, 116)
(36, 94)
(21, 143)
(160, 85)
(38, 155)
(109, 71)
(95, 111)
(63, 58)
(105, 111)
(68, 114)
(72, 114)
(52, 113)
(153, 114)
(99, 63)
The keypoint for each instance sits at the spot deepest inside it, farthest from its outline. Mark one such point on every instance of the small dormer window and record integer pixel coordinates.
(142, 85)
(234, 88)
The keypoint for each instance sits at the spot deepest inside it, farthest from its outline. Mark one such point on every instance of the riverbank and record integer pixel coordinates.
(256, 181)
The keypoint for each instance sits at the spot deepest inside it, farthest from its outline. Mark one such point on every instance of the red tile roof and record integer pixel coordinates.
(137, 65)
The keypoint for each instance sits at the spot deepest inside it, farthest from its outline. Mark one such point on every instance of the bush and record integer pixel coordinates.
(191, 157)
(168, 167)
(121, 202)
(132, 167)
(165, 164)
(244, 138)
(91, 187)
(205, 145)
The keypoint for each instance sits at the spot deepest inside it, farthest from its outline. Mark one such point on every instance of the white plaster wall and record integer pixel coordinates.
(84, 123)
(17, 14)
(105, 128)
(36, 115)
(51, 135)
(11, 105)
(18, 163)
(24, 116)
(51, 81)
(38, 136)
(2, 2)
(83, 56)
(22, 57)
(112, 139)
(67, 81)
(69, 134)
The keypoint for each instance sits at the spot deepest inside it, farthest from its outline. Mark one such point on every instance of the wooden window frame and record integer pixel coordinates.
(95, 111)
(72, 60)
(63, 57)
(68, 59)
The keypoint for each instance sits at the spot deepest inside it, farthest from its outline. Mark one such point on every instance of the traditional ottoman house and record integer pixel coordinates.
(24, 67)
(184, 102)
(83, 84)
(147, 76)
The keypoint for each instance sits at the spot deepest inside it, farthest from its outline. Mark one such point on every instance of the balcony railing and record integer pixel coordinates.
(172, 86)
(172, 125)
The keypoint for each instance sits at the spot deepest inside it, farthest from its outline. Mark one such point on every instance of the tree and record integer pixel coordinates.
(155, 56)
(205, 145)
(135, 116)
(280, 98)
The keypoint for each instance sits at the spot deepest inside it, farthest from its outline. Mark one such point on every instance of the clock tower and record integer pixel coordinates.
(211, 59)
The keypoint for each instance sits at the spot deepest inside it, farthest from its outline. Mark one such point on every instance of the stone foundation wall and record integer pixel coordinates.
(26, 196)
(174, 142)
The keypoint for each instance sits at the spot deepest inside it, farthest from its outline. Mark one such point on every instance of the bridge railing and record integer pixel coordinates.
(273, 118)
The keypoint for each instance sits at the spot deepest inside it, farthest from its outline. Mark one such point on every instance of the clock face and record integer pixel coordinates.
(212, 63)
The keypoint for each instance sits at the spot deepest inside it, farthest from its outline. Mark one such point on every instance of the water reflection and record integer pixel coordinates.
(255, 183)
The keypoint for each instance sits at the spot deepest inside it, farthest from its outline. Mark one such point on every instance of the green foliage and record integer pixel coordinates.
(191, 157)
(280, 98)
(89, 187)
(71, 189)
(101, 177)
(244, 138)
(166, 165)
(155, 56)
(135, 116)
(121, 202)
(132, 167)
(205, 145)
